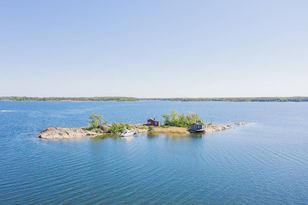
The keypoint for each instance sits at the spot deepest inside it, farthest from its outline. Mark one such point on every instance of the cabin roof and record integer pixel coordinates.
(152, 119)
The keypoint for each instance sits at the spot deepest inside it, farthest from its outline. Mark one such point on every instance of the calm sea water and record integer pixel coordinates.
(265, 162)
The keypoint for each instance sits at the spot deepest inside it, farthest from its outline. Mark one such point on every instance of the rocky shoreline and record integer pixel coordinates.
(76, 133)
(65, 133)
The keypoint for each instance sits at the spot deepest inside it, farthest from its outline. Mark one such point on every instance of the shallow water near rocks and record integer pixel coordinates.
(265, 162)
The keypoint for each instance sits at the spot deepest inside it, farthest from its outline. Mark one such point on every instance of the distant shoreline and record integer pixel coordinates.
(215, 99)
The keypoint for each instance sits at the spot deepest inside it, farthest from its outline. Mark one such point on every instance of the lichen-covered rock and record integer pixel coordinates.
(65, 133)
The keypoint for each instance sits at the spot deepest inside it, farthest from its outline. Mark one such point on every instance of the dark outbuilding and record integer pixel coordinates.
(152, 122)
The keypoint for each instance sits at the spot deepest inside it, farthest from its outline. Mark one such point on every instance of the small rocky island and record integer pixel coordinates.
(174, 125)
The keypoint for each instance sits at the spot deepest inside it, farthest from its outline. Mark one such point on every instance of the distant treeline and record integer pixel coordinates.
(16, 98)
(231, 99)
(240, 99)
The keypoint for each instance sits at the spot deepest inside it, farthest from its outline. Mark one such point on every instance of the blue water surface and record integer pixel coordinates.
(265, 162)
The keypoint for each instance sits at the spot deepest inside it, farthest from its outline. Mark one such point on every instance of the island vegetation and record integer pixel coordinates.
(218, 99)
(174, 123)
(176, 119)
(118, 128)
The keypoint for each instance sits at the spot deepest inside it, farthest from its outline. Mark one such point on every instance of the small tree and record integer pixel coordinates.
(96, 121)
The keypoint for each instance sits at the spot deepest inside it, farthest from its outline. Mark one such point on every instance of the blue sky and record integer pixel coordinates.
(166, 48)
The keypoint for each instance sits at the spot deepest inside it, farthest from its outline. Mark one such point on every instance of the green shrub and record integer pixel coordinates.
(117, 128)
(180, 120)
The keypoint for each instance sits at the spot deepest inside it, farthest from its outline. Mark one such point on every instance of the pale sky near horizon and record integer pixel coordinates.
(162, 48)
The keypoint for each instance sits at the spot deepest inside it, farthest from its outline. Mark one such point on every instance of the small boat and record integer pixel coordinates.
(196, 128)
(128, 133)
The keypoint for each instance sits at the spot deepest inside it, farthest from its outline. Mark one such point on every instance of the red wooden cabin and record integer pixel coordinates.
(152, 122)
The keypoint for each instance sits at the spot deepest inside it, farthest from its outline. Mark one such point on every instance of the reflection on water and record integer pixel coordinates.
(175, 135)
(263, 163)
(7, 110)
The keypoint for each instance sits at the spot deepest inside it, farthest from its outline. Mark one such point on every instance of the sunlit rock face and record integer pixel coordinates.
(65, 133)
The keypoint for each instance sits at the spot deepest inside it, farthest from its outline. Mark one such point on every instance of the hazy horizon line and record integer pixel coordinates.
(187, 99)
(140, 97)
